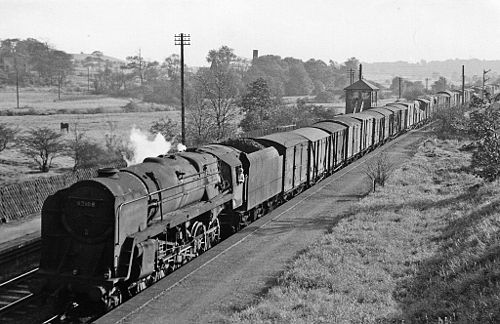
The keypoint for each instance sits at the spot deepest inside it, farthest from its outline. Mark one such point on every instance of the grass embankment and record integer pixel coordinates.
(423, 249)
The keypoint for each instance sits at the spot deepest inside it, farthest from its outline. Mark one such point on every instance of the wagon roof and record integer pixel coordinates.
(286, 139)
(384, 111)
(427, 101)
(349, 121)
(394, 108)
(311, 133)
(360, 115)
(398, 105)
(372, 113)
(405, 103)
(329, 126)
(444, 93)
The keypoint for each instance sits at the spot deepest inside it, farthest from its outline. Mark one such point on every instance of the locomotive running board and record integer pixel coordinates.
(181, 216)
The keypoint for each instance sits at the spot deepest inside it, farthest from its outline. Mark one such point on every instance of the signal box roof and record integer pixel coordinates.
(362, 85)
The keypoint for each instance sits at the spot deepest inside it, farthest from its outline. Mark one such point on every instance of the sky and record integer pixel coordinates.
(372, 31)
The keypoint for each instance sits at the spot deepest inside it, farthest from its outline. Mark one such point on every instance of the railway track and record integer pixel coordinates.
(19, 250)
(15, 291)
(19, 305)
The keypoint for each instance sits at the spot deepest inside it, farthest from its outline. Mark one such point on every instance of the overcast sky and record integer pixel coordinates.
(373, 31)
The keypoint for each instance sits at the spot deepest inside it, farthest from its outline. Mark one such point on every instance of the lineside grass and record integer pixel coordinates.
(423, 249)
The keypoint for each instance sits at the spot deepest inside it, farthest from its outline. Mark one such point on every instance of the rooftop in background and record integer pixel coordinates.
(362, 85)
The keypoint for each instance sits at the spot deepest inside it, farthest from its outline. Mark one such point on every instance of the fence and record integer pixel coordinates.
(20, 200)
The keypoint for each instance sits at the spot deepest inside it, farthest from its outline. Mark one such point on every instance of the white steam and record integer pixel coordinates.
(181, 147)
(143, 147)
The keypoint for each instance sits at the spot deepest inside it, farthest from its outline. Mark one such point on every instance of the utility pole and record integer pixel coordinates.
(14, 52)
(426, 84)
(463, 85)
(182, 39)
(88, 78)
(17, 79)
(484, 81)
(399, 92)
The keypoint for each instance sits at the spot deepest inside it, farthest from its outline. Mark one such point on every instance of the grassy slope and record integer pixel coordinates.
(424, 249)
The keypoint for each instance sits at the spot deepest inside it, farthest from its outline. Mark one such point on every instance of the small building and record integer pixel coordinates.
(359, 96)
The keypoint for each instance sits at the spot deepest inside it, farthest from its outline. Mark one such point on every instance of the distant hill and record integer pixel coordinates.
(83, 56)
(451, 69)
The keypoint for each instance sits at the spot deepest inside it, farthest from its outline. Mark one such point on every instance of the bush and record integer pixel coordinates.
(131, 106)
(451, 122)
(42, 145)
(325, 96)
(165, 126)
(88, 154)
(7, 135)
(379, 170)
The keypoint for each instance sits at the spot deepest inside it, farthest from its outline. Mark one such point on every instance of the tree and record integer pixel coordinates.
(200, 121)
(7, 135)
(85, 153)
(299, 83)
(271, 68)
(440, 85)
(413, 92)
(217, 88)
(379, 170)
(256, 103)
(42, 145)
(222, 56)
(165, 126)
(62, 66)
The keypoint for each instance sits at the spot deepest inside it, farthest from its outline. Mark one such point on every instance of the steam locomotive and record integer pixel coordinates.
(107, 238)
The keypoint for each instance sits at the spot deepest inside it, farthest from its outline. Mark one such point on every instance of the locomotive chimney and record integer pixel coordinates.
(361, 71)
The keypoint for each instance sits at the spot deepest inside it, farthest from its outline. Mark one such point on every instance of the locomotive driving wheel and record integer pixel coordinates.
(214, 232)
(199, 234)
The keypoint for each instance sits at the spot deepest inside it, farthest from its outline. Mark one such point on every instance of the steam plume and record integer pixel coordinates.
(143, 147)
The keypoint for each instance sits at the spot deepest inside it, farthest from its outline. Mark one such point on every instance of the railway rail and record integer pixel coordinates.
(21, 249)
(19, 305)
(15, 291)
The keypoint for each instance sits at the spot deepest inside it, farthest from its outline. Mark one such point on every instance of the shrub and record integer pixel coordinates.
(7, 135)
(379, 170)
(87, 154)
(325, 96)
(42, 145)
(131, 106)
(165, 126)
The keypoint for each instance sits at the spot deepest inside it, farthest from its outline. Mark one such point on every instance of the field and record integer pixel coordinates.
(422, 249)
(15, 167)
(46, 101)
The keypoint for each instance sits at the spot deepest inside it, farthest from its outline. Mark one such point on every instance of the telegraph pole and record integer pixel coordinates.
(183, 39)
(426, 84)
(463, 85)
(399, 92)
(484, 81)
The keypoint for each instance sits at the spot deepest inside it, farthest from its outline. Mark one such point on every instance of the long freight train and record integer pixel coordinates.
(105, 239)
